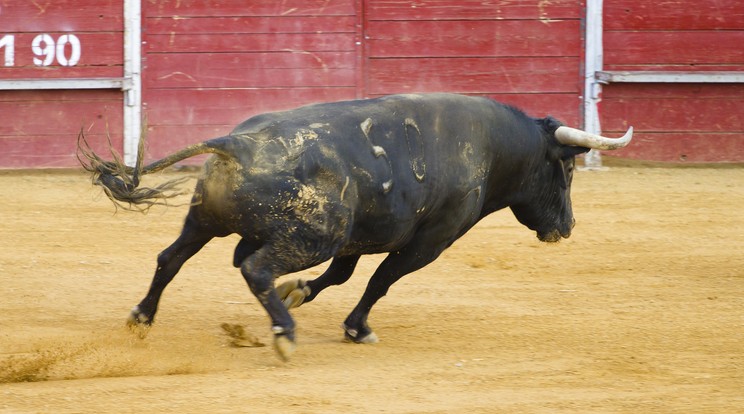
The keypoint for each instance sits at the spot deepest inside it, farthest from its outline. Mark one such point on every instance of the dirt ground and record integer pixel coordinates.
(641, 310)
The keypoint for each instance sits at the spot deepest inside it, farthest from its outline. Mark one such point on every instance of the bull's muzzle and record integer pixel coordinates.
(550, 237)
(556, 235)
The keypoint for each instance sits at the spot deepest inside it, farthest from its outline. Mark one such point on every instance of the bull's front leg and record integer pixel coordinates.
(169, 263)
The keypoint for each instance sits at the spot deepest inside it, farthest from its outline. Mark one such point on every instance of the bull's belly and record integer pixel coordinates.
(380, 235)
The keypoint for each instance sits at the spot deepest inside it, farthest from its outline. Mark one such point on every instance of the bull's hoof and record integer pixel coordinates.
(284, 347)
(139, 323)
(353, 335)
(293, 293)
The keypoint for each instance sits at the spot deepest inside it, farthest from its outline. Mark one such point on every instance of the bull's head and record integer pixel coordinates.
(545, 205)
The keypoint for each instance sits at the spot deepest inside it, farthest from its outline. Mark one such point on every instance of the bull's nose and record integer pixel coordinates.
(566, 230)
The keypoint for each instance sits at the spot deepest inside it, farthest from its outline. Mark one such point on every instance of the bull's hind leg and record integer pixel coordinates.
(296, 292)
(259, 270)
(191, 240)
(414, 256)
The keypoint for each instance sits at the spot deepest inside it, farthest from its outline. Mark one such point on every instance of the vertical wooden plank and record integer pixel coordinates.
(360, 7)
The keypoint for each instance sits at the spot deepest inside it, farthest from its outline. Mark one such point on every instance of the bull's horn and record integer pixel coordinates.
(579, 138)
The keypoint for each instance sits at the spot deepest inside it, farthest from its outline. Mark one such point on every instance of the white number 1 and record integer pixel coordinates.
(7, 42)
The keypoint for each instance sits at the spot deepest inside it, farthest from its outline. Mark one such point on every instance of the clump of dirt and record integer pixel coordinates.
(240, 338)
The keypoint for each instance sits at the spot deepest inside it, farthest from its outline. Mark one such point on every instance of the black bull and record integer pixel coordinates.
(404, 174)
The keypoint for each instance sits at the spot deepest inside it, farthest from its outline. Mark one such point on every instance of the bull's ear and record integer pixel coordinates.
(564, 152)
(567, 152)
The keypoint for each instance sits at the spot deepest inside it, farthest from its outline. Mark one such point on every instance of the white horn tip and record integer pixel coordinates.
(577, 137)
(629, 134)
(625, 139)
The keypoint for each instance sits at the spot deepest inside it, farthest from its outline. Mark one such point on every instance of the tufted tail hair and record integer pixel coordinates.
(121, 183)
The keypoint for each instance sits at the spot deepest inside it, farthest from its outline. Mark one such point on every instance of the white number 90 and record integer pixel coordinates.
(45, 49)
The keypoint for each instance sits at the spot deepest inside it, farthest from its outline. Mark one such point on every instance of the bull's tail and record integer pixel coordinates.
(121, 182)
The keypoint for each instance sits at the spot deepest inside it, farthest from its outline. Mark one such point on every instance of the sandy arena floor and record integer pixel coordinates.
(641, 311)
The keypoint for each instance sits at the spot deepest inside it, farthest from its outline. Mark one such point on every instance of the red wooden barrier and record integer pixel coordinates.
(676, 121)
(522, 52)
(209, 65)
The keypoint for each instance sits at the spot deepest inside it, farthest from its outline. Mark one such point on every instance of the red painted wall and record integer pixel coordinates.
(39, 128)
(676, 122)
(210, 65)
(207, 65)
(526, 53)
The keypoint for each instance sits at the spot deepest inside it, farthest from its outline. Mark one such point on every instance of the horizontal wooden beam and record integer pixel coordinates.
(669, 77)
(72, 83)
